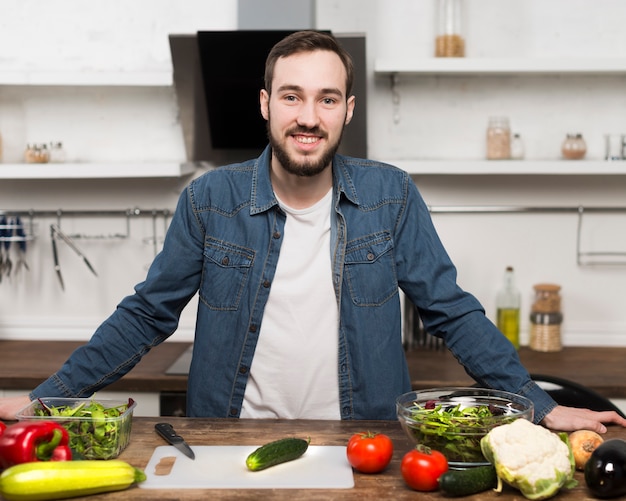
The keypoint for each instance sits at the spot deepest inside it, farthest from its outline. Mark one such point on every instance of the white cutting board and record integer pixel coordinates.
(224, 467)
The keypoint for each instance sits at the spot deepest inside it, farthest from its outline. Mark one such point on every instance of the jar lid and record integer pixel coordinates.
(547, 287)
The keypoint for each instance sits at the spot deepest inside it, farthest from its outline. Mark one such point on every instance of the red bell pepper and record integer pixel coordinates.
(30, 441)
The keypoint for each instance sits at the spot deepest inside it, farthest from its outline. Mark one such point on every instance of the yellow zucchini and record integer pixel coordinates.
(43, 481)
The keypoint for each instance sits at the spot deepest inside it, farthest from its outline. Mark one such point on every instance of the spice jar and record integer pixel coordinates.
(517, 147)
(37, 154)
(498, 139)
(615, 146)
(449, 41)
(57, 152)
(574, 147)
(546, 318)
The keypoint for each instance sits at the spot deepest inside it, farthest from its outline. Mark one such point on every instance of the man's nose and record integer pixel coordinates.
(308, 116)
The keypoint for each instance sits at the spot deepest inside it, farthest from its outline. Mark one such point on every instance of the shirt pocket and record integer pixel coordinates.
(226, 271)
(370, 271)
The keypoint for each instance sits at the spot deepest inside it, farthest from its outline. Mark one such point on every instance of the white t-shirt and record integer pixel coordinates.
(294, 369)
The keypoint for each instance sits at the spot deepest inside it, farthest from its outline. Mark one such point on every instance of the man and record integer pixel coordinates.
(298, 257)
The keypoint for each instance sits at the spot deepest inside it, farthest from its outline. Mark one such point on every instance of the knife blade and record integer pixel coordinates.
(55, 255)
(166, 430)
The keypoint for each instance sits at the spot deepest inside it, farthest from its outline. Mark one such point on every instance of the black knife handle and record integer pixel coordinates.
(167, 432)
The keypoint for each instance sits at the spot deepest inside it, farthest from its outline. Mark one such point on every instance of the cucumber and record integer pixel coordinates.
(279, 451)
(45, 480)
(469, 481)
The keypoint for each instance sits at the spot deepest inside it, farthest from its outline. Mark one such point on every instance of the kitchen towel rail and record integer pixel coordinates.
(583, 258)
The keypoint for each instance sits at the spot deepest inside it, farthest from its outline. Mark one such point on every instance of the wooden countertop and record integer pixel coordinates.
(386, 485)
(25, 364)
(600, 368)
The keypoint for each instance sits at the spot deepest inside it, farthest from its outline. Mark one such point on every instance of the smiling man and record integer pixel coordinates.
(298, 257)
(306, 106)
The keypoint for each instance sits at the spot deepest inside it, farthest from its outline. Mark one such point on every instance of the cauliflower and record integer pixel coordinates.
(530, 458)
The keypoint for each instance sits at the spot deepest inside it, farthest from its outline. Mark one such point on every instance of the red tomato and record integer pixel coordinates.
(369, 452)
(422, 467)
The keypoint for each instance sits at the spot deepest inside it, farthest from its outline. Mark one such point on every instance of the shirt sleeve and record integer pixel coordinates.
(429, 279)
(141, 320)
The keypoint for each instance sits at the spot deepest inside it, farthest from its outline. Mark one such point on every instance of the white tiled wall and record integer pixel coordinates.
(439, 118)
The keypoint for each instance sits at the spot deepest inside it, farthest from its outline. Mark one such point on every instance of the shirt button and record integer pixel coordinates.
(370, 256)
(276, 234)
(266, 283)
(253, 328)
(225, 260)
(233, 411)
(243, 370)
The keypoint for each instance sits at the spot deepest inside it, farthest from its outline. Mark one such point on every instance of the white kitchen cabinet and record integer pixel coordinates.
(411, 70)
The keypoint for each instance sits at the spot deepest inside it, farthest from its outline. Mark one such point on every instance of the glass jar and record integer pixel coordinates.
(36, 154)
(57, 152)
(614, 147)
(546, 318)
(498, 139)
(574, 147)
(517, 147)
(449, 41)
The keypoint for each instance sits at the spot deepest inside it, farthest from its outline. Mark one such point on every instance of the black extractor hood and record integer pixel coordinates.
(218, 76)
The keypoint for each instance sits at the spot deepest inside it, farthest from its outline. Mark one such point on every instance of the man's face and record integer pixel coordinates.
(307, 111)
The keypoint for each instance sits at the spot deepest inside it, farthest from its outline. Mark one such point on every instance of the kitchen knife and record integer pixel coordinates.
(55, 255)
(167, 432)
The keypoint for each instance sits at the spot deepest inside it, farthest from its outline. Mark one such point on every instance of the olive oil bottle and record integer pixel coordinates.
(508, 302)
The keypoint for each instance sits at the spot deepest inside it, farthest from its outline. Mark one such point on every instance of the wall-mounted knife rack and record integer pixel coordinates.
(29, 225)
(583, 258)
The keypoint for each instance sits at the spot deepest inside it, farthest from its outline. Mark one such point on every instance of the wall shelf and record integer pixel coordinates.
(511, 167)
(95, 170)
(154, 78)
(501, 66)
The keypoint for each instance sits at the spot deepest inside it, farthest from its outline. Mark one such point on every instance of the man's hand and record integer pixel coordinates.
(563, 418)
(9, 406)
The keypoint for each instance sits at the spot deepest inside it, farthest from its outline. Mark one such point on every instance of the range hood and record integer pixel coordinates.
(217, 78)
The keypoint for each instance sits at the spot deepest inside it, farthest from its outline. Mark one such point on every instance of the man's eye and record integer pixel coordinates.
(329, 101)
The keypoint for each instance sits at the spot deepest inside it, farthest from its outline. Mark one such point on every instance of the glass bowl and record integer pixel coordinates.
(453, 420)
(98, 428)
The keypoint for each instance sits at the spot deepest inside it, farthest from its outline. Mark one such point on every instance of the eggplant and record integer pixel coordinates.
(605, 470)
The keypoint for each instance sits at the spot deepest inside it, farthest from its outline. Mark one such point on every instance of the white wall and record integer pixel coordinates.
(439, 118)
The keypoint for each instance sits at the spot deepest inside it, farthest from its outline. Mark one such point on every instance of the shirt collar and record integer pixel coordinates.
(262, 196)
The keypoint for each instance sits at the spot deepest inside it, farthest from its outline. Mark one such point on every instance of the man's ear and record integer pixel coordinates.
(350, 109)
(264, 100)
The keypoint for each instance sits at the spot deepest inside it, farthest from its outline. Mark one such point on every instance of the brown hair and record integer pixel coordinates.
(308, 41)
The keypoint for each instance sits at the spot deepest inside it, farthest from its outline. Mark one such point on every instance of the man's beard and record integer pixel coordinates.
(309, 167)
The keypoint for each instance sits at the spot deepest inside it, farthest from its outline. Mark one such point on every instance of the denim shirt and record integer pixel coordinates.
(223, 243)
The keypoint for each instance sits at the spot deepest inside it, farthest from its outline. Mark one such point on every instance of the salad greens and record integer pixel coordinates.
(456, 429)
(96, 431)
